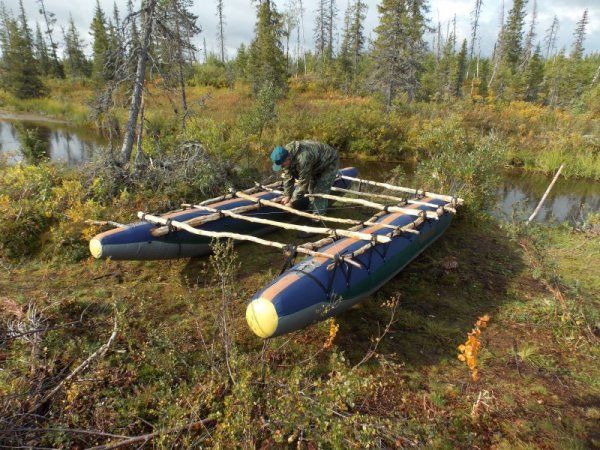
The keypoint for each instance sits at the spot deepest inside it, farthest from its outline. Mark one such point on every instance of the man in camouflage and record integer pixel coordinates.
(308, 167)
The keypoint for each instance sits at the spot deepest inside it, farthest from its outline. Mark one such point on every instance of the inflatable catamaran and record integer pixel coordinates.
(339, 270)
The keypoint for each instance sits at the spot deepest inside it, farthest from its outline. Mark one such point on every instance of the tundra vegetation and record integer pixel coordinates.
(109, 354)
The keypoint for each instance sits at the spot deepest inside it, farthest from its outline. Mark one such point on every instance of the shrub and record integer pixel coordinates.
(26, 202)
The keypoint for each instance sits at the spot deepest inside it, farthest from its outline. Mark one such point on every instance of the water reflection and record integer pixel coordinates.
(59, 142)
(519, 193)
(569, 200)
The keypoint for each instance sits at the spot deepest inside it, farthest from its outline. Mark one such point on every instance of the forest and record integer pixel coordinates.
(128, 354)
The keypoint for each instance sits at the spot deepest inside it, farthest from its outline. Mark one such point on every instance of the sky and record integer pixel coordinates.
(240, 18)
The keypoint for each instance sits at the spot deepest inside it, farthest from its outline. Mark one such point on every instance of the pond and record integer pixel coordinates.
(58, 141)
(518, 192)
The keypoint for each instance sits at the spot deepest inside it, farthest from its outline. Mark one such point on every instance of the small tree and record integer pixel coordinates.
(99, 46)
(267, 61)
(20, 72)
(76, 64)
(399, 49)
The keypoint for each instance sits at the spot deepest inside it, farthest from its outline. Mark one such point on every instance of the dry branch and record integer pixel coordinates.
(537, 209)
(97, 354)
(195, 426)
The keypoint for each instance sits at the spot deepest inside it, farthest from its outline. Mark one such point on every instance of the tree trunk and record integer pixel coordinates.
(138, 87)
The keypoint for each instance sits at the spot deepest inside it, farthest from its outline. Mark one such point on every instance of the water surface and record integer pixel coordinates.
(519, 193)
(60, 142)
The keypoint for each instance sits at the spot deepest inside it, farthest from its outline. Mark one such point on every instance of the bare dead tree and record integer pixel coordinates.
(148, 18)
(221, 29)
(50, 20)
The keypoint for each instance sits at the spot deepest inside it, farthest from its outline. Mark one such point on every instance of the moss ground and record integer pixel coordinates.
(539, 364)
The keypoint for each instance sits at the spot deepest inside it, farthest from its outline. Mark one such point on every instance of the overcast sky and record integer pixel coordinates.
(240, 19)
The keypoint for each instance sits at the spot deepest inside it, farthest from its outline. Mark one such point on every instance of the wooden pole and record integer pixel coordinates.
(537, 209)
(309, 215)
(357, 201)
(391, 197)
(391, 187)
(288, 226)
(252, 190)
(197, 221)
(240, 237)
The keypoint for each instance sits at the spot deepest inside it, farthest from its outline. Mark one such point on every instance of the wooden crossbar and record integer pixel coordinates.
(197, 221)
(391, 187)
(251, 190)
(357, 201)
(310, 215)
(308, 229)
(242, 237)
(391, 197)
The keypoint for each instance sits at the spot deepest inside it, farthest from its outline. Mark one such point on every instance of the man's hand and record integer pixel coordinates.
(285, 200)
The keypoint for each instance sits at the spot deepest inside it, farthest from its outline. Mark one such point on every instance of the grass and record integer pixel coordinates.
(540, 139)
(183, 352)
(538, 371)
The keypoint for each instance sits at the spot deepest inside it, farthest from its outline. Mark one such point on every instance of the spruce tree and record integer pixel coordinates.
(550, 38)
(20, 72)
(513, 35)
(577, 49)
(50, 20)
(534, 75)
(399, 48)
(353, 40)
(461, 69)
(267, 61)
(99, 46)
(76, 64)
(41, 52)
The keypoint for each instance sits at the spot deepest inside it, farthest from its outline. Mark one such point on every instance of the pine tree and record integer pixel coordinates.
(399, 48)
(578, 77)
(475, 15)
(289, 21)
(115, 52)
(148, 21)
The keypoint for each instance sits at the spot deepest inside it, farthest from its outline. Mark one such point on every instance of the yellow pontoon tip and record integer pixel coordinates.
(262, 317)
(96, 248)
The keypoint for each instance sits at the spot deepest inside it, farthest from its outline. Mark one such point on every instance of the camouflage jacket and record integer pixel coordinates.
(310, 160)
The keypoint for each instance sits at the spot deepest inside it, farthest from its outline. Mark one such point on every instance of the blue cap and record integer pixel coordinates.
(278, 156)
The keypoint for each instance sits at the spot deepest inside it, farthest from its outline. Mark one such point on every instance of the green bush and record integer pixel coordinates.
(27, 205)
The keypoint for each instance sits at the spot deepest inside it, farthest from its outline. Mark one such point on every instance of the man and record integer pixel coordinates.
(308, 167)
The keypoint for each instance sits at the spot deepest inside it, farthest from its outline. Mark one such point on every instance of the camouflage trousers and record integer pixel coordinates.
(322, 185)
